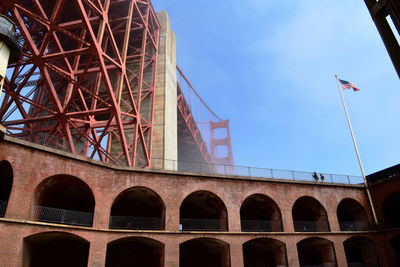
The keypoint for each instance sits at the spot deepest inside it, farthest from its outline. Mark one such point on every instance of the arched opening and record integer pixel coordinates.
(138, 208)
(390, 210)
(316, 251)
(6, 182)
(135, 251)
(309, 216)
(395, 245)
(203, 211)
(264, 252)
(260, 213)
(55, 249)
(352, 216)
(63, 199)
(360, 251)
(201, 252)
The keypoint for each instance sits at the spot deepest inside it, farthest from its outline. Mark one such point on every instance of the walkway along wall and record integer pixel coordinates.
(24, 235)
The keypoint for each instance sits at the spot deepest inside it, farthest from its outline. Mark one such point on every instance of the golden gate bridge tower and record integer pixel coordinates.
(98, 78)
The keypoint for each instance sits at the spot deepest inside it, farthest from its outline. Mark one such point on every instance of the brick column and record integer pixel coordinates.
(287, 220)
(292, 255)
(234, 219)
(172, 218)
(340, 253)
(236, 252)
(332, 218)
(97, 251)
(20, 201)
(171, 252)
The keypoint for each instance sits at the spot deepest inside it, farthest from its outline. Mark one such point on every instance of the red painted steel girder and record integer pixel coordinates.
(86, 78)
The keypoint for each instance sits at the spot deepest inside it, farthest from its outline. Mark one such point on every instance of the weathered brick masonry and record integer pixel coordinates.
(31, 165)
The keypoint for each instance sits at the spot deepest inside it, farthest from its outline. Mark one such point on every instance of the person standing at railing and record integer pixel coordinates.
(315, 176)
(322, 177)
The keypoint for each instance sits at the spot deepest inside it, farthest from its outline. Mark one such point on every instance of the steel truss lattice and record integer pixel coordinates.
(85, 81)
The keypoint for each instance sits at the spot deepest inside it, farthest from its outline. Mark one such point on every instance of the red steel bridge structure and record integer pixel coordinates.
(85, 82)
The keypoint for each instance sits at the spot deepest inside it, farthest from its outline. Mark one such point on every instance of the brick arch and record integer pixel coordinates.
(260, 212)
(187, 191)
(204, 251)
(45, 248)
(389, 209)
(6, 184)
(360, 250)
(316, 251)
(135, 250)
(63, 199)
(264, 252)
(309, 215)
(138, 207)
(352, 216)
(203, 210)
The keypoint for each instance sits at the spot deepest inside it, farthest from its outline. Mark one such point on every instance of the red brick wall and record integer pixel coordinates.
(31, 166)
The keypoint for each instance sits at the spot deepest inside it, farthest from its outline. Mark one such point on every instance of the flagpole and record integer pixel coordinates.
(358, 155)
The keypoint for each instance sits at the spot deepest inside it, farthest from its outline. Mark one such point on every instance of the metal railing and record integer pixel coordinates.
(311, 226)
(354, 225)
(3, 207)
(61, 216)
(136, 223)
(187, 224)
(206, 168)
(234, 170)
(261, 226)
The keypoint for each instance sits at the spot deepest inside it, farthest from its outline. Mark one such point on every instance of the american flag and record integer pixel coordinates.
(348, 85)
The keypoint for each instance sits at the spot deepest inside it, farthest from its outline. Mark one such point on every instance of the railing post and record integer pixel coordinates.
(348, 179)
(224, 169)
(272, 173)
(249, 171)
(293, 175)
(331, 177)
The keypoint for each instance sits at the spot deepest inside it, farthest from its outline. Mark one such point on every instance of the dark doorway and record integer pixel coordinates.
(360, 252)
(55, 249)
(309, 216)
(264, 252)
(6, 182)
(390, 209)
(202, 252)
(63, 199)
(395, 245)
(203, 211)
(138, 208)
(135, 251)
(352, 216)
(316, 252)
(260, 213)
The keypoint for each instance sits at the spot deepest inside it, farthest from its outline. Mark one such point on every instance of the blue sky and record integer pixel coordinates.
(269, 66)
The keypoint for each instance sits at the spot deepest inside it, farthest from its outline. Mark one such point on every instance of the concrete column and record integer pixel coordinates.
(97, 251)
(171, 252)
(165, 131)
(292, 255)
(236, 252)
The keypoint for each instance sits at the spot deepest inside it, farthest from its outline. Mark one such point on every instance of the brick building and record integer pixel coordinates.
(62, 210)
